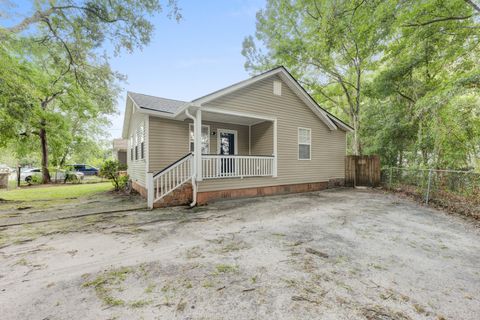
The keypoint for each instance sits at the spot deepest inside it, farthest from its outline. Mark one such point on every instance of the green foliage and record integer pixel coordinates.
(329, 45)
(429, 77)
(56, 87)
(34, 180)
(111, 170)
(123, 181)
(404, 74)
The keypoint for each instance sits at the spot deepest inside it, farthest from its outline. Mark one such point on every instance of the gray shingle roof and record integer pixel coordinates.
(156, 103)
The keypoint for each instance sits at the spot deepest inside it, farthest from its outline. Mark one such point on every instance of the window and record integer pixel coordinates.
(131, 147)
(304, 143)
(205, 138)
(142, 141)
(136, 144)
(277, 88)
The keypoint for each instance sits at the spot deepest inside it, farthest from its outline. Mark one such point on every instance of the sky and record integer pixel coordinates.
(184, 60)
(190, 58)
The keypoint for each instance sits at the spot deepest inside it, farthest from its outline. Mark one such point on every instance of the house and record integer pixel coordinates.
(119, 150)
(262, 136)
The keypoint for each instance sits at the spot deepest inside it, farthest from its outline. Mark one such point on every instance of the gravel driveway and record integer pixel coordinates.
(339, 254)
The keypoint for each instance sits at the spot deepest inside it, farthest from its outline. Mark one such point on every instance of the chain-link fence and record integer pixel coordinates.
(57, 176)
(457, 191)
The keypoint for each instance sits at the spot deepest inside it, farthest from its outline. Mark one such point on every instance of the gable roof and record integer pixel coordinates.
(330, 120)
(144, 101)
(173, 108)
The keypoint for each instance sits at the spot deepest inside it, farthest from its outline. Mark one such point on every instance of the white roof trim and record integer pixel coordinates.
(290, 81)
(126, 118)
(342, 125)
(331, 122)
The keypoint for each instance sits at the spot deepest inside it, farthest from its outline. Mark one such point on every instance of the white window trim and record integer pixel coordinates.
(190, 127)
(234, 132)
(307, 144)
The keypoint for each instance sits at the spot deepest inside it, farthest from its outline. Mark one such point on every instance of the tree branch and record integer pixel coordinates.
(422, 24)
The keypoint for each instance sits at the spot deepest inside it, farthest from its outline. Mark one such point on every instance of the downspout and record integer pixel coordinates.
(194, 171)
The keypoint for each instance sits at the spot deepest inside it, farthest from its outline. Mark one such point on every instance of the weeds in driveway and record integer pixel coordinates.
(150, 288)
(193, 252)
(226, 268)
(139, 303)
(233, 246)
(379, 312)
(104, 285)
(207, 284)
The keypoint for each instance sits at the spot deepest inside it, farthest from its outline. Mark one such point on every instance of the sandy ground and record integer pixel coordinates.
(341, 254)
(18, 212)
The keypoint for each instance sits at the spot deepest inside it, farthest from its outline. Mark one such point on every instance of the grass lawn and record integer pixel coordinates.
(54, 192)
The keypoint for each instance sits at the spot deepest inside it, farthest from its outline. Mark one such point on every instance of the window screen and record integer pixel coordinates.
(304, 144)
(205, 139)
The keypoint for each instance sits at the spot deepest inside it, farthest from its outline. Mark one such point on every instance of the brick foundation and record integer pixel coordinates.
(184, 194)
(178, 197)
(140, 189)
(336, 183)
(205, 197)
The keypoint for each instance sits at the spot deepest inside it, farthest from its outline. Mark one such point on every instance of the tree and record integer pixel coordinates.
(430, 71)
(60, 45)
(59, 96)
(330, 45)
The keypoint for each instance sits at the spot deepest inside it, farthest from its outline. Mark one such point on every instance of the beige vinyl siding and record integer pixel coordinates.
(169, 140)
(328, 147)
(262, 138)
(137, 168)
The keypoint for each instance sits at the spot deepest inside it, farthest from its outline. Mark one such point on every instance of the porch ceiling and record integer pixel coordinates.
(227, 118)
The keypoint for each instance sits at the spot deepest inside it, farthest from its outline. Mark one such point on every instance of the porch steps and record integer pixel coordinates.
(170, 179)
(182, 195)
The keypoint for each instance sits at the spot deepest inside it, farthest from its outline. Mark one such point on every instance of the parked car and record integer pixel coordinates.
(84, 168)
(28, 175)
(5, 168)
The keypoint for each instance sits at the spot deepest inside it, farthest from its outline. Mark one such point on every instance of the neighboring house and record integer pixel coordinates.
(261, 136)
(119, 150)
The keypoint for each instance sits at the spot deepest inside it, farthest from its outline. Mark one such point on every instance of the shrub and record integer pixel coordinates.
(35, 180)
(70, 176)
(111, 170)
(123, 181)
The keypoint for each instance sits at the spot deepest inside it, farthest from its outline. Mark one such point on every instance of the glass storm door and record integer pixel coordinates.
(227, 147)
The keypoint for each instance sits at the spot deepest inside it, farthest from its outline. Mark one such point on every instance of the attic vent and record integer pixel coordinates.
(277, 88)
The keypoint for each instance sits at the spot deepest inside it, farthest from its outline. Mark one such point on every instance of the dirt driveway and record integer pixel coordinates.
(341, 254)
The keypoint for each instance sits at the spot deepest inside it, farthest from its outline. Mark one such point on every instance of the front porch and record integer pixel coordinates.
(234, 145)
(222, 145)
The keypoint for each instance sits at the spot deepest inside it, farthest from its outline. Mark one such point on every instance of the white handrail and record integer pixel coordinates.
(173, 177)
(232, 166)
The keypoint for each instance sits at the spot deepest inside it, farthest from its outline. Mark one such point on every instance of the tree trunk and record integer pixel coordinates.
(356, 147)
(44, 146)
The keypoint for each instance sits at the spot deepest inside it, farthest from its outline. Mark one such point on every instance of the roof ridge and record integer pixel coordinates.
(239, 82)
(149, 95)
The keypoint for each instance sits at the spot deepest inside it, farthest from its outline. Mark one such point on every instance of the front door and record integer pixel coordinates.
(227, 141)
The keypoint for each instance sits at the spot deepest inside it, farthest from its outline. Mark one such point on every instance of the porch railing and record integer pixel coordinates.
(232, 166)
(172, 177)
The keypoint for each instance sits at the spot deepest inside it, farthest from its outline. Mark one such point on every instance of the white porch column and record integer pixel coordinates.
(275, 157)
(198, 144)
(150, 190)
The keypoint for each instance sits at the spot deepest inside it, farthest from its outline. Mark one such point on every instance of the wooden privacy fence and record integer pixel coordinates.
(362, 171)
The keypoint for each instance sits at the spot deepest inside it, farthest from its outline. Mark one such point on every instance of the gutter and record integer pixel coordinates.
(194, 173)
